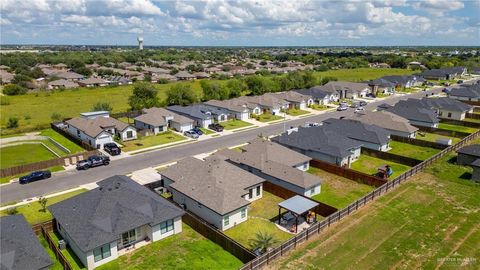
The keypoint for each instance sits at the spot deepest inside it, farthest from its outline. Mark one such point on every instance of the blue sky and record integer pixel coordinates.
(241, 23)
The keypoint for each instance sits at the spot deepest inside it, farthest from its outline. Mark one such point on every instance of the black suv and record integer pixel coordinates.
(216, 127)
(93, 161)
(112, 149)
(35, 176)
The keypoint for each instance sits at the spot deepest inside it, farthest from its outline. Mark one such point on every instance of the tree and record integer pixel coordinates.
(12, 122)
(236, 87)
(43, 203)
(21, 79)
(102, 106)
(144, 96)
(14, 89)
(181, 94)
(263, 241)
(214, 90)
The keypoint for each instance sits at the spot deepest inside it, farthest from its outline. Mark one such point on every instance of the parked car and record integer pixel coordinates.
(445, 90)
(363, 103)
(112, 149)
(93, 161)
(35, 176)
(372, 95)
(359, 109)
(460, 81)
(312, 124)
(197, 130)
(192, 134)
(344, 104)
(216, 127)
(341, 108)
(355, 105)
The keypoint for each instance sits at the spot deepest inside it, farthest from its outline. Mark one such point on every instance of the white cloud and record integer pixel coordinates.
(77, 19)
(438, 7)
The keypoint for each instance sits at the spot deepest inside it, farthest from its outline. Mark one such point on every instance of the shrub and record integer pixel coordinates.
(12, 211)
(12, 122)
(14, 89)
(56, 116)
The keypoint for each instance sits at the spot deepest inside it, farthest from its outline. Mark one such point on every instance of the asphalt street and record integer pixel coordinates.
(72, 178)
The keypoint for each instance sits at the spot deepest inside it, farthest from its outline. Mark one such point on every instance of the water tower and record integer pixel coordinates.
(140, 43)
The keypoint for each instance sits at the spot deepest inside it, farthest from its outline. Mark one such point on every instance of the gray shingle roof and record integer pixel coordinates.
(157, 117)
(315, 92)
(444, 103)
(334, 86)
(471, 150)
(119, 204)
(319, 139)
(360, 131)
(195, 111)
(414, 111)
(384, 119)
(472, 91)
(20, 247)
(93, 127)
(214, 182)
(275, 152)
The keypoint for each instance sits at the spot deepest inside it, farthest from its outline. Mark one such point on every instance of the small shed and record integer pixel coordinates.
(468, 154)
(298, 206)
(476, 170)
(444, 141)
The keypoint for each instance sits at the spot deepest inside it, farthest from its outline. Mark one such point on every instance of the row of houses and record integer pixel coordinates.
(466, 93)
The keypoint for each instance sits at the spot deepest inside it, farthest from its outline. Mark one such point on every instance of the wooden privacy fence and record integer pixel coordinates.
(418, 142)
(391, 157)
(460, 123)
(44, 229)
(61, 161)
(360, 177)
(473, 115)
(322, 209)
(303, 236)
(443, 132)
(218, 237)
(74, 139)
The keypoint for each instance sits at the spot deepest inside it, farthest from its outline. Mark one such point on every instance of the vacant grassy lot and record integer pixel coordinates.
(56, 264)
(73, 147)
(186, 250)
(412, 151)
(37, 109)
(234, 124)
(370, 165)
(338, 191)
(457, 128)
(153, 140)
(431, 217)
(431, 137)
(23, 154)
(68, 253)
(268, 117)
(33, 211)
(296, 112)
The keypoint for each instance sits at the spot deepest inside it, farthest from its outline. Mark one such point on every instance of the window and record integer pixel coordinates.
(312, 191)
(243, 212)
(129, 134)
(78, 132)
(166, 226)
(258, 191)
(226, 220)
(449, 114)
(250, 193)
(101, 253)
(129, 237)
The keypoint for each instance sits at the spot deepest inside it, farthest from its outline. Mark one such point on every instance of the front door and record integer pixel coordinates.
(128, 237)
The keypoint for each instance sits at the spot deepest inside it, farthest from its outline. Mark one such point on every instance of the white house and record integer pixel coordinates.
(98, 128)
(240, 112)
(100, 224)
(201, 115)
(158, 120)
(213, 189)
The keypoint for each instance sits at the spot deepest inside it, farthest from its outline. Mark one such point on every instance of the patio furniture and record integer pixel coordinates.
(296, 206)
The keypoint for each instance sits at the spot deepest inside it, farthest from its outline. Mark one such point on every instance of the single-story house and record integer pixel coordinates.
(267, 103)
(467, 92)
(382, 86)
(20, 247)
(98, 128)
(62, 83)
(444, 73)
(476, 170)
(213, 189)
(100, 223)
(393, 123)
(240, 112)
(92, 82)
(322, 144)
(200, 114)
(185, 76)
(448, 108)
(158, 120)
(277, 164)
(295, 99)
(416, 115)
(405, 81)
(370, 136)
(468, 154)
(319, 95)
(69, 75)
(350, 90)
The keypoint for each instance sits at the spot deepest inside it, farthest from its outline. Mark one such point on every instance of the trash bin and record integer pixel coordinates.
(62, 244)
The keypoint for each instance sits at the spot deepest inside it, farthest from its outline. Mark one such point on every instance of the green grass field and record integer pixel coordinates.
(338, 191)
(370, 165)
(186, 250)
(412, 151)
(37, 108)
(23, 154)
(32, 211)
(428, 222)
(431, 137)
(234, 124)
(457, 128)
(153, 140)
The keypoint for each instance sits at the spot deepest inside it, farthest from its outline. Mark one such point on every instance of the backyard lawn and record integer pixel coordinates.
(186, 250)
(153, 140)
(266, 207)
(73, 147)
(68, 253)
(431, 137)
(369, 165)
(457, 128)
(473, 120)
(412, 151)
(23, 154)
(296, 112)
(267, 117)
(56, 264)
(234, 124)
(429, 222)
(338, 191)
(33, 211)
